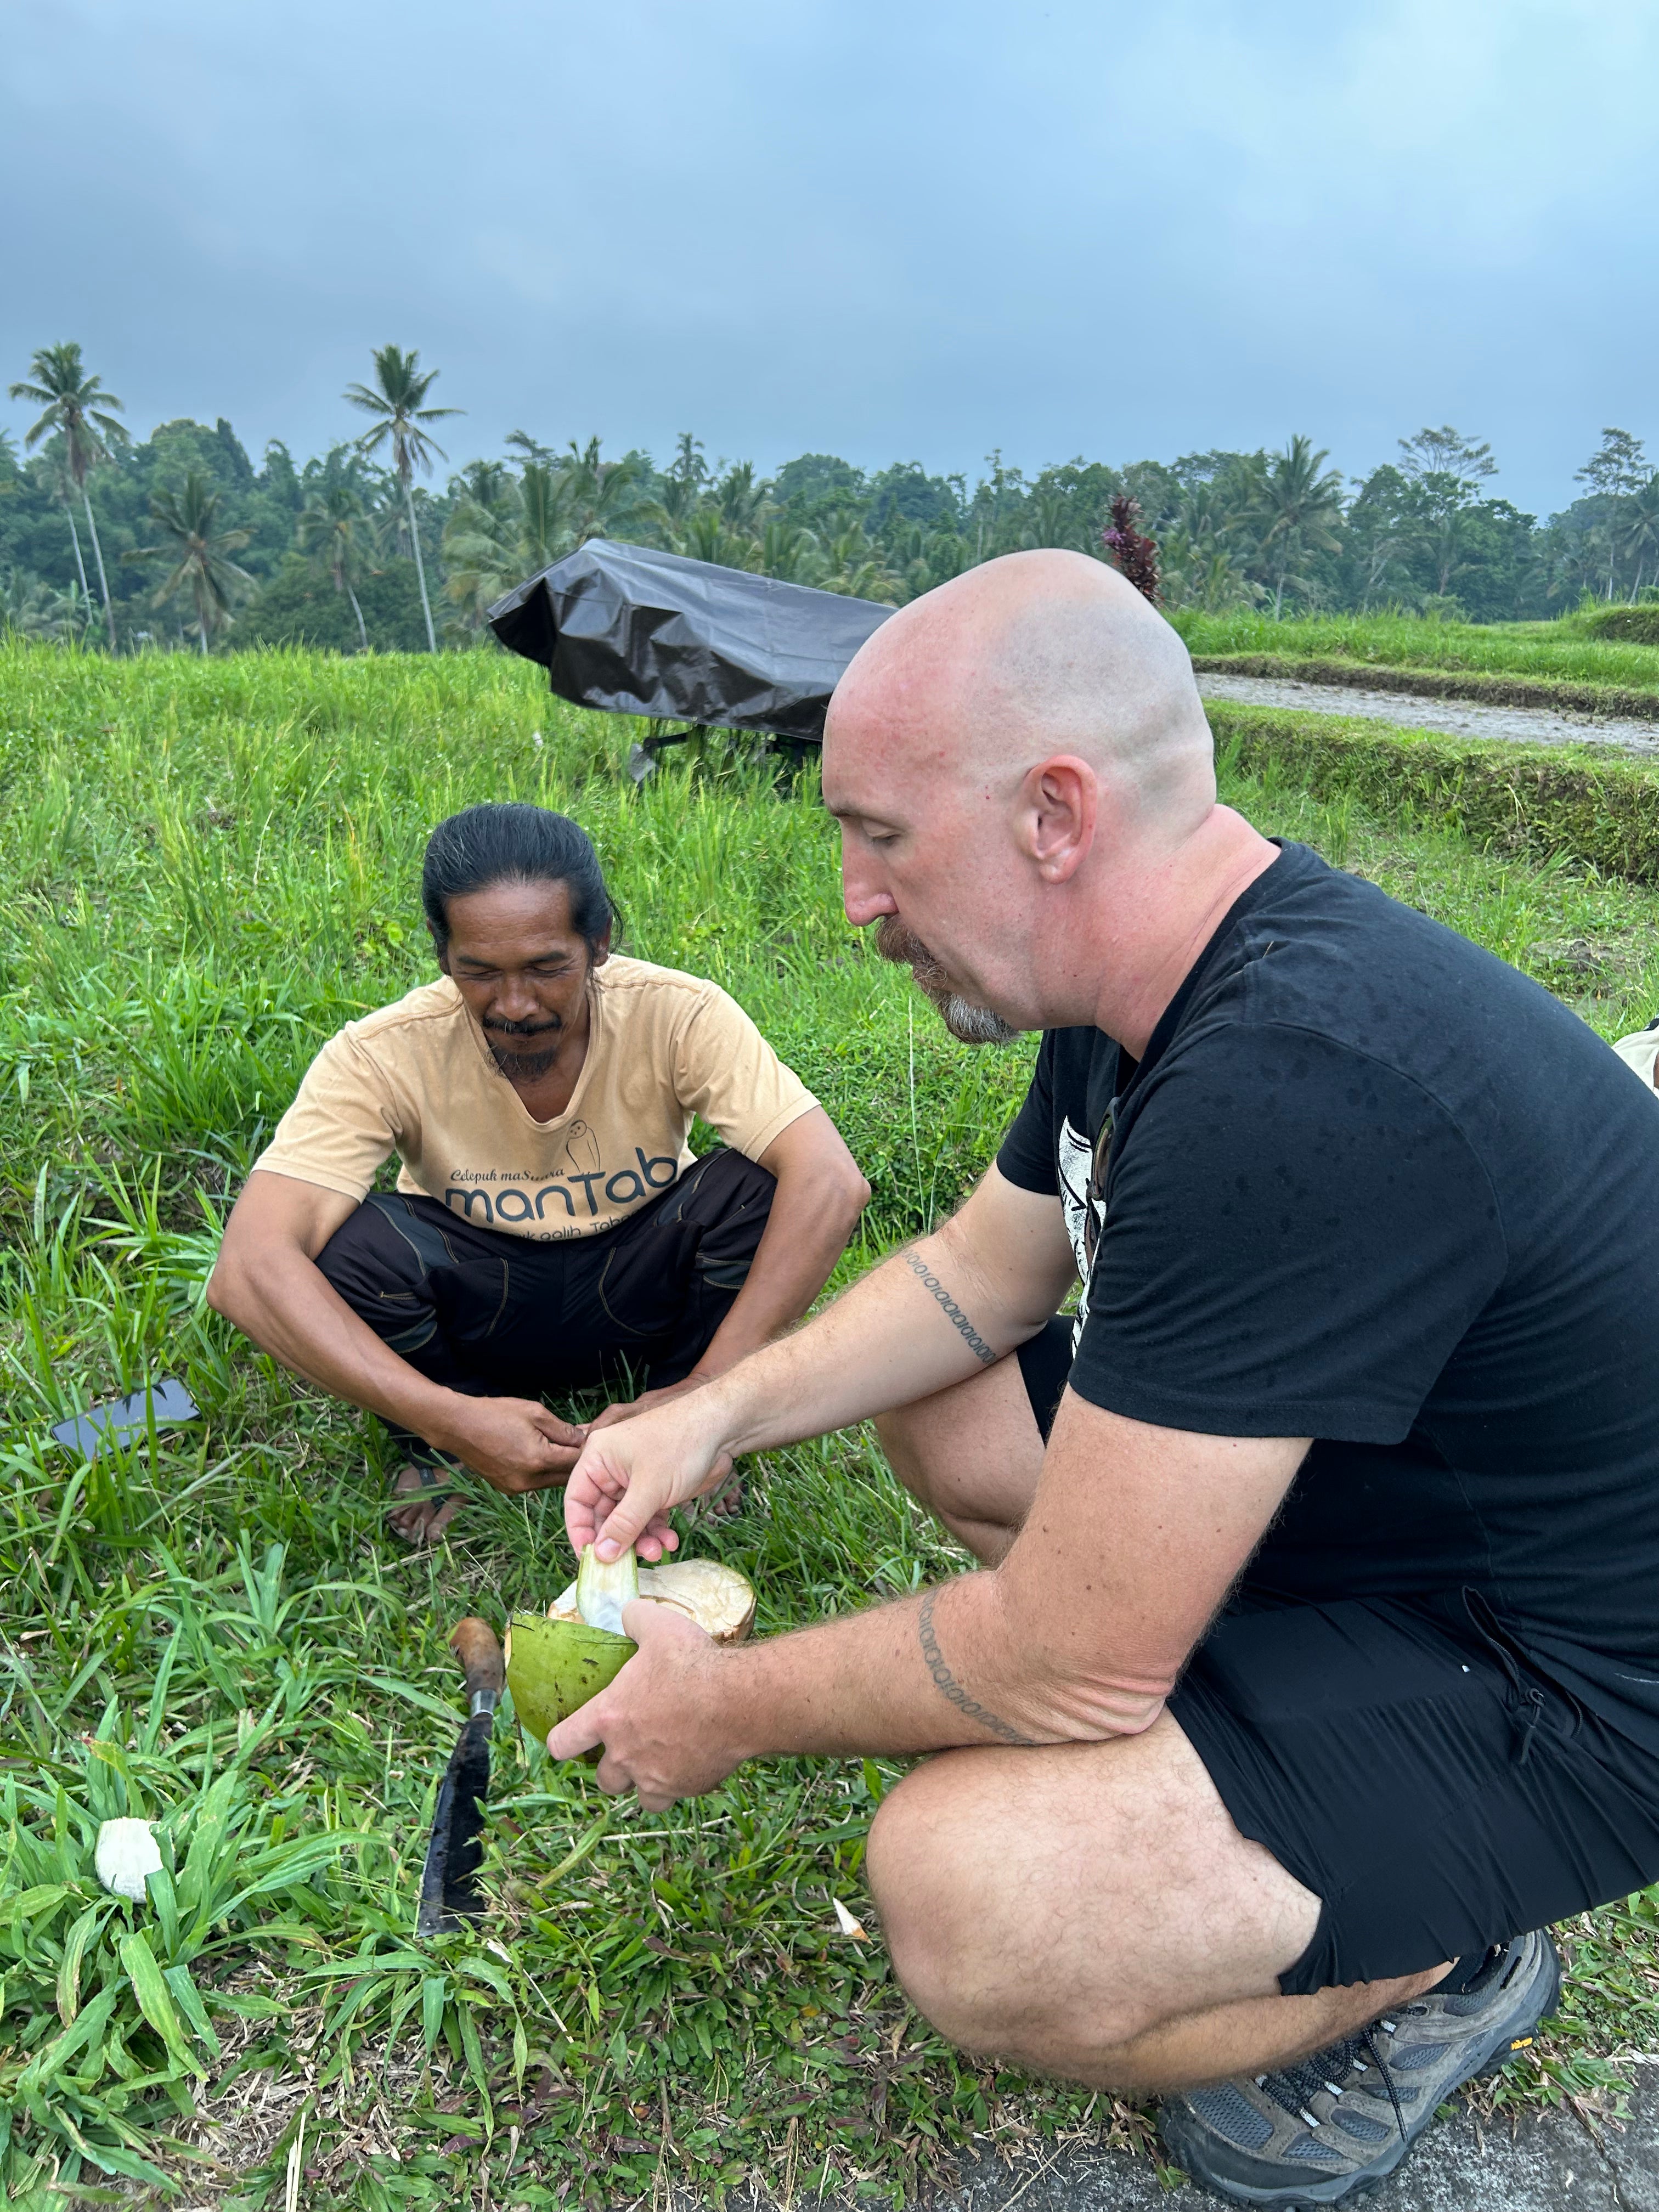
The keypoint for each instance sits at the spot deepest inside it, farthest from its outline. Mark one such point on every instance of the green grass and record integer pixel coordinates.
(210, 866)
(1547, 651)
(1588, 805)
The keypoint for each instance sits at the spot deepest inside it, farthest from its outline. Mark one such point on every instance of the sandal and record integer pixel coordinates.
(426, 1490)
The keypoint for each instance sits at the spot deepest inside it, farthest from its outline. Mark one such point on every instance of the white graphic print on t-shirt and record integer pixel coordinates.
(1074, 1166)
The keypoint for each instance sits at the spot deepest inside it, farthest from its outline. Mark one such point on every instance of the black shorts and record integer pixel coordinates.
(488, 1314)
(1406, 1763)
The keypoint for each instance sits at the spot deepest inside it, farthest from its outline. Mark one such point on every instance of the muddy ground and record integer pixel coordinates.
(1457, 717)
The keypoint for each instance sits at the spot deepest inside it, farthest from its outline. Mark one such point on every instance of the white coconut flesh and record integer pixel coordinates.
(718, 1598)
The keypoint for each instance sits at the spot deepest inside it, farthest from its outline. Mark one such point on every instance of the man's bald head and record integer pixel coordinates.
(1023, 657)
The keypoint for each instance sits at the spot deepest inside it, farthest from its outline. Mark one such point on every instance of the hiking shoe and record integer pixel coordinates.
(1311, 2133)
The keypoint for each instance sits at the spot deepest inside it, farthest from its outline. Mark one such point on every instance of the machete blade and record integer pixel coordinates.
(449, 1887)
(449, 1880)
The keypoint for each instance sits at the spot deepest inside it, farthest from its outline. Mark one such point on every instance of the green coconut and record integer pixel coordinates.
(553, 1666)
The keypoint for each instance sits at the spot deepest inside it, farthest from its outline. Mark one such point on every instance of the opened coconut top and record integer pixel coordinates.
(718, 1598)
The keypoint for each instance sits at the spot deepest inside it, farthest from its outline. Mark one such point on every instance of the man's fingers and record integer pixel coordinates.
(634, 1521)
(580, 1734)
(557, 1431)
(649, 1621)
(592, 1490)
(657, 1537)
(627, 1523)
(517, 1480)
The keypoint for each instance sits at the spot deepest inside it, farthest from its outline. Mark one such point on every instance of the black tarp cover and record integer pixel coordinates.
(641, 632)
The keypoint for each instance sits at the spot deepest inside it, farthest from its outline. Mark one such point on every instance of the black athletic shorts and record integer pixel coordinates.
(1406, 1763)
(491, 1315)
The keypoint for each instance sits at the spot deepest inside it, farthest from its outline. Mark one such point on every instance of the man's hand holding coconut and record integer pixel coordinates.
(1312, 1664)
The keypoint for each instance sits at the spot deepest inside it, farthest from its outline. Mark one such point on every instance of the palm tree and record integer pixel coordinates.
(683, 483)
(327, 532)
(481, 539)
(853, 565)
(744, 504)
(32, 609)
(52, 476)
(603, 494)
(1300, 507)
(532, 449)
(1198, 565)
(77, 406)
(787, 550)
(704, 536)
(400, 416)
(500, 531)
(1049, 519)
(545, 495)
(1638, 528)
(200, 553)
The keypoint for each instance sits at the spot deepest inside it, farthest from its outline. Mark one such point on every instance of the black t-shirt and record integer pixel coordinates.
(1372, 1186)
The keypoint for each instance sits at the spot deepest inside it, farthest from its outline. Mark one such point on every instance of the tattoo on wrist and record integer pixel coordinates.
(952, 1312)
(947, 1685)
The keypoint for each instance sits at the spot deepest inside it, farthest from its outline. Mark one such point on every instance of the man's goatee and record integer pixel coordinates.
(970, 1023)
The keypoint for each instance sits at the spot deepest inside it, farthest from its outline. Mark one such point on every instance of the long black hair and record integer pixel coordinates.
(512, 842)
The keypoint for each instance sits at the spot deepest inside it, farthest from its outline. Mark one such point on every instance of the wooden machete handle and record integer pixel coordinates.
(473, 1642)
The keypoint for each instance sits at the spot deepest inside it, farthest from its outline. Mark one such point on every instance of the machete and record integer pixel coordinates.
(449, 1886)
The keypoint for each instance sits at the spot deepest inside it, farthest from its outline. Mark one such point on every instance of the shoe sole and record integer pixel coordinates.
(1499, 2053)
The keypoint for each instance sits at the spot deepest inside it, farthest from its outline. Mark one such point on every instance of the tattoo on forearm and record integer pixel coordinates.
(947, 1685)
(952, 1312)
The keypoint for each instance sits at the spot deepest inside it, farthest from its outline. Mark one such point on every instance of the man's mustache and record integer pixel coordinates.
(901, 946)
(522, 1029)
(969, 1024)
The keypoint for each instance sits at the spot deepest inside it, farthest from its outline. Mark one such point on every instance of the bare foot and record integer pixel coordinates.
(724, 1506)
(431, 1510)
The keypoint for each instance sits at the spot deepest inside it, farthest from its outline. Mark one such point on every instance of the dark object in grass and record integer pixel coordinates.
(636, 631)
(166, 1402)
(449, 1880)
(1136, 554)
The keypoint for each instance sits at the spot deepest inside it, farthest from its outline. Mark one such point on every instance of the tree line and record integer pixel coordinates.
(179, 540)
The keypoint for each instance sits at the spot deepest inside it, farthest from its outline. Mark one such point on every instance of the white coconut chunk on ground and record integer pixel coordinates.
(718, 1598)
(125, 1855)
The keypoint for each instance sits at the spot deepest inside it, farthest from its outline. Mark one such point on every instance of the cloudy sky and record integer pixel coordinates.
(886, 228)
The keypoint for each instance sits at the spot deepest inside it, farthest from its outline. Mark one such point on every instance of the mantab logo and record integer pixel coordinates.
(572, 1197)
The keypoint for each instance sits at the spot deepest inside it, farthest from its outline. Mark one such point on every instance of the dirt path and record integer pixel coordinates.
(1551, 2162)
(1457, 717)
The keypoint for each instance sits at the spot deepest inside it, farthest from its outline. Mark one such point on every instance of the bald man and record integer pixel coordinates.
(1313, 1664)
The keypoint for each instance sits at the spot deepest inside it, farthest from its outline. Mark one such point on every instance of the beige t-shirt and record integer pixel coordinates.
(1640, 1053)
(418, 1079)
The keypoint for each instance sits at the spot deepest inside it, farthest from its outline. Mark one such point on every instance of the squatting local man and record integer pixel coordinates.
(1313, 1666)
(551, 1229)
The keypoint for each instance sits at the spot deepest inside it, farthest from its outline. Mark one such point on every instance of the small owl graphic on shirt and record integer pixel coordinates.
(581, 1149)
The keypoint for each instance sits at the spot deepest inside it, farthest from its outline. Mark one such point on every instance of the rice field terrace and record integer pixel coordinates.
(209, 866)
(1568, 652)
